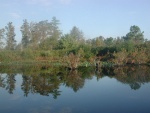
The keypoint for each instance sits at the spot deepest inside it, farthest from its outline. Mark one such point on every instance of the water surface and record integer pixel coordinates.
(57, 90)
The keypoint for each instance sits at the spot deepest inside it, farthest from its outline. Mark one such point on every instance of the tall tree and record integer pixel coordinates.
(26, 34)
(39, 33)
(44, 30)
(35, 35)
(135, 35)
(55, 33)
(76, 34)
(10, 36)
(2, 31)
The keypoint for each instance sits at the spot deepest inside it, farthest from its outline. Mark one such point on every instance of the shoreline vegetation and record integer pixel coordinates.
(71, 65)
(44, 43)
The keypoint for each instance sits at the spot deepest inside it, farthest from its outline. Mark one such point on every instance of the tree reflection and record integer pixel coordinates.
(74, 80)
(46, 80)
(133, 75)
(44, 84)
(2, 81)
(135, 85)
(26, 84)
(10, 83)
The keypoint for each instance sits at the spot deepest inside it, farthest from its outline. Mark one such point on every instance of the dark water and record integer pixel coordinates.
(46, 89)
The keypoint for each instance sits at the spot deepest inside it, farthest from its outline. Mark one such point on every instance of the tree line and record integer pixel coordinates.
(44, 41)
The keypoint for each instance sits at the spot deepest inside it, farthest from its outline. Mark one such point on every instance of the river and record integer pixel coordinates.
(46, 89)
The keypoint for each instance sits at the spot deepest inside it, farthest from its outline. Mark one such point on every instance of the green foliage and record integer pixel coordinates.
(67, 42)
(119, 44)
(109, 41)
(105, 50)
(9, 56)
(135, 35)
(28, 54)
(129, 46)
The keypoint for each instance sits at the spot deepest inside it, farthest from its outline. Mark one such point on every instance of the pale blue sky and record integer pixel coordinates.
(93, 17)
